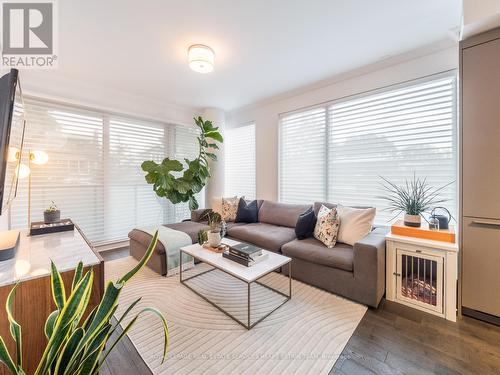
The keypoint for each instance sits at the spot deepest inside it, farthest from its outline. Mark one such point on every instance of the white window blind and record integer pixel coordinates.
(240, 161)
(302, 156)
(94, 170)
(393, 133)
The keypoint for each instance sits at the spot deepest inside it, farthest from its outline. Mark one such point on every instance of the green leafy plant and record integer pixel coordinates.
(52, 207)
(214, 220)
(76, 346)
(194, 175)
(414, 197)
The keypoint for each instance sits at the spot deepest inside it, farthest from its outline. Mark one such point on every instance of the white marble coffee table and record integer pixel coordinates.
(248, 275)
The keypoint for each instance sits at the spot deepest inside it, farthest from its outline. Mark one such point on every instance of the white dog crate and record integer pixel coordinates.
(422, 274)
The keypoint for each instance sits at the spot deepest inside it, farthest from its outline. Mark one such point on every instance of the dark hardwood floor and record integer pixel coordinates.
(393, 339)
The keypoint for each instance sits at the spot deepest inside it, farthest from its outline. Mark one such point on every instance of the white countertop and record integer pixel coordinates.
(248, 274)
(34, 253)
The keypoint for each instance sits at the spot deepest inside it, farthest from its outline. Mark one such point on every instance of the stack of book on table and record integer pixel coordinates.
(245, 254)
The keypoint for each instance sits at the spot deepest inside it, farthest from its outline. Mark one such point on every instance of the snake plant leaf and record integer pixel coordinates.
(130, 325)
(58, 291)
(78, 275)
(132, 305)
(50, 323)
(6, 358)
(142, 262)
(15, 328)
(71, 309)
(68, 351)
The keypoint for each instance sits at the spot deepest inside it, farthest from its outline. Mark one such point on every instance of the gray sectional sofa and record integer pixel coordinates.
(355, 272)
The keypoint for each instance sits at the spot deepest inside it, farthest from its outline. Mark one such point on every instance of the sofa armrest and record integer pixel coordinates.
(196, 215)
(369, 262)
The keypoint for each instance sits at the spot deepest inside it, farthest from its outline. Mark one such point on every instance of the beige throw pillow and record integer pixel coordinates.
(327, 226)
(355, 223)
(229, 208)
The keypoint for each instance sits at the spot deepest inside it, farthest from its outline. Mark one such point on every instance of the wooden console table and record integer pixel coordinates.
(33, 301)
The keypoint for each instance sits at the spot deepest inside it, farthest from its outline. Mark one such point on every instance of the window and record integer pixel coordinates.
(94, 170)
(302, 156)
(344, 147)
(240, 161)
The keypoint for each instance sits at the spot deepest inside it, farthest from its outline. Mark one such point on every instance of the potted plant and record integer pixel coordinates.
(78, 344)
(414, 197)
(214, 222)
(51, 214)
(178, 181)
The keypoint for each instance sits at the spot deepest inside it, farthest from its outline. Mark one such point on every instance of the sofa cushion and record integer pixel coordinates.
(327, 226)
(268, 236)
(305, 224)
(312, 250)
(247, 212)
(355, 223)
(317, 206)
(281, 214)
(191, 228)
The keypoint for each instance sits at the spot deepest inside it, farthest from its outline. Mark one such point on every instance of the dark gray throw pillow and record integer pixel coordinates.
(247, 213)
(305, 224)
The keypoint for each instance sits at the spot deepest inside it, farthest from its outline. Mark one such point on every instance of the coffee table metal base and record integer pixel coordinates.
(248, 324)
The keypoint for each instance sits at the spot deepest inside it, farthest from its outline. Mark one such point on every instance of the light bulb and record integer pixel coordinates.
(39, 157)
(22, 171)
(13, 155)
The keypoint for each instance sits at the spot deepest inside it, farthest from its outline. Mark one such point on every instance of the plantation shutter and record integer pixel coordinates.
(393, 134)
(302, 156)
(240, 161)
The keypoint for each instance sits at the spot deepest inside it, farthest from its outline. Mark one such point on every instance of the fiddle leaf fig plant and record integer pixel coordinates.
(179, 183)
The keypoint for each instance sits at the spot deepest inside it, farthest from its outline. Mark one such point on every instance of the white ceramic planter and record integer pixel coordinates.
(412, 220)
(214, 238)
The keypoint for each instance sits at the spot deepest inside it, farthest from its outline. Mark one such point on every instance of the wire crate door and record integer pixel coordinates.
(419, 280)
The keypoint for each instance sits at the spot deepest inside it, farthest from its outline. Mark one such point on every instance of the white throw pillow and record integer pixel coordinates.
(355, 223)
(327, 226)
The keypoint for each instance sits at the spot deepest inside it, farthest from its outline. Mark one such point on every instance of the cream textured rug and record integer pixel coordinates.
(304, 336)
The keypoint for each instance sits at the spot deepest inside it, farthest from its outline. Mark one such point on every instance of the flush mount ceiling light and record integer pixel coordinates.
(201, 58)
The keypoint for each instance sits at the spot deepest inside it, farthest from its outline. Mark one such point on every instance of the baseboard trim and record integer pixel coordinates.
(481, 316)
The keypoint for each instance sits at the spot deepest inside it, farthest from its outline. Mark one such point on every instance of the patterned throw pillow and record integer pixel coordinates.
(229, 208)
(327, 226)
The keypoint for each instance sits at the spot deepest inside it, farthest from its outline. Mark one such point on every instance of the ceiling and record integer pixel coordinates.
(263, 47)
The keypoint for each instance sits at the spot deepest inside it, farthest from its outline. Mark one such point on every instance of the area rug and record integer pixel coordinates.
(304, 336)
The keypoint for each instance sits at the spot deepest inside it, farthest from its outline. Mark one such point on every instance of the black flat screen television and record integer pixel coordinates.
(12, 125)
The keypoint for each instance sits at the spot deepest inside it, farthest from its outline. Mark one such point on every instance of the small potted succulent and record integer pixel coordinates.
(51, 214)
(214, 222)
(414, 197)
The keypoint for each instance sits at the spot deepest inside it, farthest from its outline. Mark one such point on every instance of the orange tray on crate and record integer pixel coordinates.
(444, 235)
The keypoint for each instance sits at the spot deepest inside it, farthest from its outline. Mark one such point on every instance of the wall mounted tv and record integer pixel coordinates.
(12, 125)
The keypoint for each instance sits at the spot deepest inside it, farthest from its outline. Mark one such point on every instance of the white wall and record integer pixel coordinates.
(480, 16)
(266, 114)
